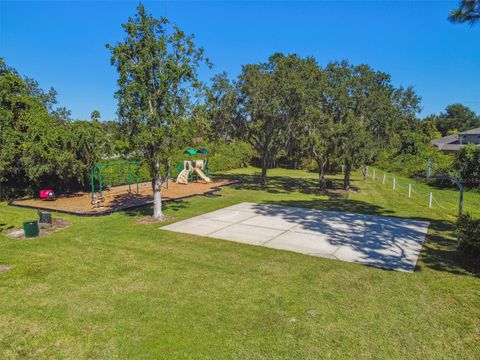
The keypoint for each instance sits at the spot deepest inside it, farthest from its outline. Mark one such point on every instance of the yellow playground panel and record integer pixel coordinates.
(191, 168)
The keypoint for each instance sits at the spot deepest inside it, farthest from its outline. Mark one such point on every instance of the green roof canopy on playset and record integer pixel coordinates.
(202, 151)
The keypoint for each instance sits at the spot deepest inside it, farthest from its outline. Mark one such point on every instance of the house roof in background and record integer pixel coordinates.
(445, 140)
(475, 131)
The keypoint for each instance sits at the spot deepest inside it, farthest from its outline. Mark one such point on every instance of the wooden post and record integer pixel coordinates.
(394, 183)
(409, 190)
(384, 178)
(373, 175)
(430, 200)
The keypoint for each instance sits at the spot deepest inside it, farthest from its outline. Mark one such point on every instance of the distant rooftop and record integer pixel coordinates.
(452, 143)
(449, 139)
(471, 132)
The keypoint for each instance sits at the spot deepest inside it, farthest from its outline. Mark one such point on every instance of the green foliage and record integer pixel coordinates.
(37, 148)
(223, 157)
(95, 115)
(456, 118)
(467, 165)
(116, 175)
(261, 121)
(412, 156)
(468, 12)
(157, 65)
(468, 231)
(290, 107)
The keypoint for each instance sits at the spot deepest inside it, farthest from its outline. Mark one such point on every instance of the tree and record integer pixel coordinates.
(259, 120)
(157, 66)
(457, 117)
(303, 88)
(35, 149)
(222, 108)
(468, 12)
(365, 112)
(270, 103)
(467, 164)
(95, 115)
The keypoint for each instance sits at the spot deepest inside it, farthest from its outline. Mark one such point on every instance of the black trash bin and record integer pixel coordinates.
(45, 218)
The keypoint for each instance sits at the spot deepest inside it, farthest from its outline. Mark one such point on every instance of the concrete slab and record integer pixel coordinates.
(271, 221)
(196, 226)
(309, 244)
(246, 234)
(385, 242)
(227, 215)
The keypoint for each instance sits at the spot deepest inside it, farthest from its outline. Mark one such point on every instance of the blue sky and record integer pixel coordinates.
(62, 44)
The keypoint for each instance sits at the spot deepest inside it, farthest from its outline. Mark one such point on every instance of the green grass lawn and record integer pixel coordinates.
(109, 288)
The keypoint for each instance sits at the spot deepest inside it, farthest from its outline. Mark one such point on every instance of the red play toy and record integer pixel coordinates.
(47, 194)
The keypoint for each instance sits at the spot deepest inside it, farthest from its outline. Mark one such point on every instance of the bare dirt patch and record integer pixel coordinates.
(45, 229)
(341, 192)
(4, 268)
(147, 220)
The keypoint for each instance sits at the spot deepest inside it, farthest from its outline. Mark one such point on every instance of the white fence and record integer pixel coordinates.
(412, 191)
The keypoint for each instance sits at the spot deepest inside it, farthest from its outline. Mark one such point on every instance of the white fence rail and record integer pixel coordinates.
(427, 199)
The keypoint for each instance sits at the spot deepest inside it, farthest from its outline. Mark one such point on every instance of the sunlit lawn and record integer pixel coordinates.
(109, 288)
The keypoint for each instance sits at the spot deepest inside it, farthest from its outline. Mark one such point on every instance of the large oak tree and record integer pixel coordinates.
(157, 65)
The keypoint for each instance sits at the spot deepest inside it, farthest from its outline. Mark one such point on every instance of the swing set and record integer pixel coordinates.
(114, 173)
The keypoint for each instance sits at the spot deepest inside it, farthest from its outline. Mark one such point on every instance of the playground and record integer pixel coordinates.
(191, 179)
(118, 198)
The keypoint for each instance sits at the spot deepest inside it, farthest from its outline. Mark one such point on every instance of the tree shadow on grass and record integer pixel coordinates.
(440, 251)
(173, 206)
(282, 184)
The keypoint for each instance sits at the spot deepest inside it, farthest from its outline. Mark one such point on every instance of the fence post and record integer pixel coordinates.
(394, 183)
(430, 200)
(366, 171)
(373, 175)
(384, 178)
(409, 190)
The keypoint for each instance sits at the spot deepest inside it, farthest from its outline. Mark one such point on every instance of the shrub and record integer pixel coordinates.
(229, 156)
(467, 164)
(468, 230)
(411, 158)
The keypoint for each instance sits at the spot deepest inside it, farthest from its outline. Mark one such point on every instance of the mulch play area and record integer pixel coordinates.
(118, 198)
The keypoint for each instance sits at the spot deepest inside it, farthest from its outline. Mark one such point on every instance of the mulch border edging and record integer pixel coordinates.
(109, 212)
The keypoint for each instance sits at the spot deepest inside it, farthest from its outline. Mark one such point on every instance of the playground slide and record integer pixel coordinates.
(182, 178)
(202, 175)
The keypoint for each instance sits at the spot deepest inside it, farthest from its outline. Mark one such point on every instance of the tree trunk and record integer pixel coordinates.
(157, 192)
(263, 178)
(346, 176)
(321, 174)
(168, 174)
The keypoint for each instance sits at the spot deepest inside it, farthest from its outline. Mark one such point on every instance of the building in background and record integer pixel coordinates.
(453, 143)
